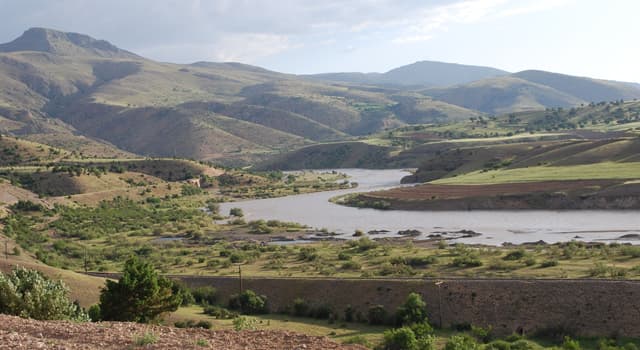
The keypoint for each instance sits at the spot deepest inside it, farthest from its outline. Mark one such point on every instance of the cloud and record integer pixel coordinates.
(246, 30)
(430, 21)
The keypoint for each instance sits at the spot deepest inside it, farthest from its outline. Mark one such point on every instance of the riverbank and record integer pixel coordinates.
(547, 195)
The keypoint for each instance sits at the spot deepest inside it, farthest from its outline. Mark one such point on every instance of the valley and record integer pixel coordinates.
(503, 188)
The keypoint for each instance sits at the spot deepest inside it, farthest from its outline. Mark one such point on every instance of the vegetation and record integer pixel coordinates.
(28, 293)
(140, 295)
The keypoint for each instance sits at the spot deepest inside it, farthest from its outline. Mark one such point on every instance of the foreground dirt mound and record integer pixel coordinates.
(19, 333)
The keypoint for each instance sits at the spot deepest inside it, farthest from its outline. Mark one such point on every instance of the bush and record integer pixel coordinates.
(94, 313)
(521, 345)
(358, 339)
(193, 324)
(219, 312)
(377, 315)
(205, 295)
(236, 212)
(467, 260)
(482, 334)
(242, 323)
(28, 293)
(498, 345)
(570, 344)
(461, 342)
(414, 310)
(515, 255)
(300, 307)
(248, 302)
(400, 339)
(549, 263)
(140, 295)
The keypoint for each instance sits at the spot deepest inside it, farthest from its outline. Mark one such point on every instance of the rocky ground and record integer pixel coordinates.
(19, 333)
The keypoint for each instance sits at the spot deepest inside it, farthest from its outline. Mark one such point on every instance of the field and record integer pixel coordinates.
(597, 171)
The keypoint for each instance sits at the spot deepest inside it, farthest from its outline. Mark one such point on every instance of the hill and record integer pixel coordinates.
(422, 73)
(73, 92)
(76, 92)
(532, 90)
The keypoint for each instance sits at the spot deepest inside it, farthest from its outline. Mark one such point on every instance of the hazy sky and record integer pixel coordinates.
(597, 38)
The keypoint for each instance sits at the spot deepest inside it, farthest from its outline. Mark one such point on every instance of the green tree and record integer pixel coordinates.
(140, 295)
(414, 310)
(28, 293)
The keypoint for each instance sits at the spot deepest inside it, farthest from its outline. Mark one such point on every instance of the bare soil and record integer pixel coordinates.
(19, 333)
(431, 191)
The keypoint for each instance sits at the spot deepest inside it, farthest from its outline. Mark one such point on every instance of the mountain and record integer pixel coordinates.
(532, 90)
(72, 91)
(81, 94)
(64, 44)
(587, 89)
(423, 73)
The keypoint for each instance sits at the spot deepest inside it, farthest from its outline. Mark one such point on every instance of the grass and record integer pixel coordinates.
(146, 339)
(357, 333)
(605, 170)
(339, 331)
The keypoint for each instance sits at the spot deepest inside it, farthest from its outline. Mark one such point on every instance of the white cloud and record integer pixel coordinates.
(430, 21)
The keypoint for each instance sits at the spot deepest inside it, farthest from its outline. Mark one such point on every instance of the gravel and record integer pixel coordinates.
(20, 333)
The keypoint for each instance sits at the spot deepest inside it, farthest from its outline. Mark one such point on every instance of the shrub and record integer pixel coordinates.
(146, 339)
(358, 339)
(140, 295)
(236, 212)
(205, 295)
(570, 344)
(219, 312)
(400, 339)
(322, 311)
(498, 345)
(521, 345)
(94, 313)
(242, 323)
(351, 265)
(28, 293)
(461, 342)
(467, 260)
(515, 255)
(349, 313)
(414, 310)
(482, 334)
(248, 302)
(377, 315)
(300, 307)
(549, 263)
(193, 324)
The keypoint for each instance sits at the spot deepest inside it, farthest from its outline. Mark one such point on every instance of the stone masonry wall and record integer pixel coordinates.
(585, 307)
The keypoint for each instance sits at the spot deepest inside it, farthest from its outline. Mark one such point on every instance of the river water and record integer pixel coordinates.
(495, 226)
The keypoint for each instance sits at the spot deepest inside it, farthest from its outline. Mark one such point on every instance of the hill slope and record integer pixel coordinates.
(73, 86)
(422, 73)
(74, 92)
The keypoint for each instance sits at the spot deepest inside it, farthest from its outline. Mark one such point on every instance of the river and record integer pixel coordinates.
(495, 226)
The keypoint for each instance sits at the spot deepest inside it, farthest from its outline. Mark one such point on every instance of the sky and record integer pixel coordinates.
(592, 38)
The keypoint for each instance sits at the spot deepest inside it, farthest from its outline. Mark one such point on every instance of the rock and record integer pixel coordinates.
(411, 233)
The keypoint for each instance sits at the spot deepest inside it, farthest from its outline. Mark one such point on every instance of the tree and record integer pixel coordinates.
(249, 303)
(414, 310)
(28, 293)
(140, 295)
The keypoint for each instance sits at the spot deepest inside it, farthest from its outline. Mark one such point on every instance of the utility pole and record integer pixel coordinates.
(240, 276)
(86, 268)
(438, 284)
